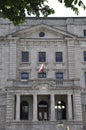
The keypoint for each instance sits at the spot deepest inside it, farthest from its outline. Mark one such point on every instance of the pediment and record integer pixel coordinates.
(49, 32)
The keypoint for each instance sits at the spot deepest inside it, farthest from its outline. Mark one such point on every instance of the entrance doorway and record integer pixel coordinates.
(43, 110)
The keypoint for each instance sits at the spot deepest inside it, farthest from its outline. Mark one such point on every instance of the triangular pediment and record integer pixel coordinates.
(43, 31)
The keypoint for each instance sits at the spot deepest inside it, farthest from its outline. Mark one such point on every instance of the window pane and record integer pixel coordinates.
(85, 75)
(84, 54)
(42, 75)
(25, 75)
(42, 57)
(59, 57)
(84, 32)
(59, 75)
(25, 56)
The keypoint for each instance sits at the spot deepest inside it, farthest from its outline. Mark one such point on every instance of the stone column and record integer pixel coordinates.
(17, 107)
(69, 107)
(52, 108)
(34, 107)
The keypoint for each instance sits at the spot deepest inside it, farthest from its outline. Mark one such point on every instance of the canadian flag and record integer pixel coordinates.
(41, 68)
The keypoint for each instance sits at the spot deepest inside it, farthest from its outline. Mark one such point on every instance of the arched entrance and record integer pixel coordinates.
(43, 110)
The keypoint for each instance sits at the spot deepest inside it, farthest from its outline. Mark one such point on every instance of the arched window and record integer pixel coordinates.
(24, 110)
(43, 110)
(61, 110)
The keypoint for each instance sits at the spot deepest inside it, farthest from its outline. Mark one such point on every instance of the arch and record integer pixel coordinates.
(61, 110)
(24, 110)
(43, 110)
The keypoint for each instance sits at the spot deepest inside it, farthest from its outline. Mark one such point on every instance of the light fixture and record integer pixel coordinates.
(59, 102)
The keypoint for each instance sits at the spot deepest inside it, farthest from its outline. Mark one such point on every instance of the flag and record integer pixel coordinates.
(41, 68)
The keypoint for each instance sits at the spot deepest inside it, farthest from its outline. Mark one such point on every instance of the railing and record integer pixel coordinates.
(53, 82)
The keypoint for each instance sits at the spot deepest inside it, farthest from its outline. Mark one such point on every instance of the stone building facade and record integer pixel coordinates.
(30, 100)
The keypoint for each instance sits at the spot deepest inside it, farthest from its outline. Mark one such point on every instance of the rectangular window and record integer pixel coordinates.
(84, 55)
(85, 77)
(25, 56)
(42, 56)
(24, 75)
(59, 57)
(84, 33)
(42, 75)
(59, 77)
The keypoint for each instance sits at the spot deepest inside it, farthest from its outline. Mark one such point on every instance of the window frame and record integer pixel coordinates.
(59, 73)
(57, 57)
(22, 57)
(84, 55)
(84, 32)
(42, 56)
(23, 79)
(43, 75)
(85, 77)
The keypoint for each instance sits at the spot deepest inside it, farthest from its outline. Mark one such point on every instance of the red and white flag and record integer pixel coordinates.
(41, 68)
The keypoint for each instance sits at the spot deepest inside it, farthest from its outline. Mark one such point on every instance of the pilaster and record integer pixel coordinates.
(52, 107)
(17, 107)
(34, 107)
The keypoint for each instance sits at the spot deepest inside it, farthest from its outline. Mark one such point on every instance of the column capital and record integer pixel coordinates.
(18, 94)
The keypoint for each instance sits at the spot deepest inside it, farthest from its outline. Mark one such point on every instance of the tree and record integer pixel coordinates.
(15, 10)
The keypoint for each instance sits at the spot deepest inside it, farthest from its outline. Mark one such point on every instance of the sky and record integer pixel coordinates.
(61, 11)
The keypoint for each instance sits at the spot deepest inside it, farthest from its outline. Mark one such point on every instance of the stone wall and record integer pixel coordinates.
(2, 110)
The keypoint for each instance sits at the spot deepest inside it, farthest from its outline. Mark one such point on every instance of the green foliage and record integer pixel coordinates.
(73, 4)
(15, 10)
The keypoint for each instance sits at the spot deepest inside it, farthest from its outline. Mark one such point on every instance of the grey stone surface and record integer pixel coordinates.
(61, 35)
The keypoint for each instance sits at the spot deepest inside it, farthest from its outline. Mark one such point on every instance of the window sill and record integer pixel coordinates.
(83, 62)
(59, 63)
(25, 63)
(42, 63)
(24, 80)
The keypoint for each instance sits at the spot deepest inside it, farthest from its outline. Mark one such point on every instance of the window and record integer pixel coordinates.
(42, 75)
(25, 56)
(59, 75)
(85, 77)
(85, 33)
(84, 55)
(59, 57)
(41, 34)
(24, 75)
(42, 56)
(24, 110)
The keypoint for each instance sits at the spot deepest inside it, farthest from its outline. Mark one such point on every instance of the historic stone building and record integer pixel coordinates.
(30, 100)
